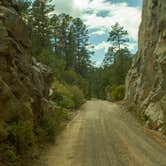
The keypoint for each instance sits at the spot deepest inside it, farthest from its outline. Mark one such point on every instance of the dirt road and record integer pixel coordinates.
(103, 135)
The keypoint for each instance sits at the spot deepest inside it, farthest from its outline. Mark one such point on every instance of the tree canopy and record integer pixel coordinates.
(62, 42)
(118, 36)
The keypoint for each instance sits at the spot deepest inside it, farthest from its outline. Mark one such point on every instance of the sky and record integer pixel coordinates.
(100, 15)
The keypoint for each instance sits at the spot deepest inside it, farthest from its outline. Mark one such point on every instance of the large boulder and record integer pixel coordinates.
(146, 80)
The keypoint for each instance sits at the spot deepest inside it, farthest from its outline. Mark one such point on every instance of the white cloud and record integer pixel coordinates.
(98, 32)
(81, 4)
(89, 11)
(68, 7)
(103, 45)
(129, 17)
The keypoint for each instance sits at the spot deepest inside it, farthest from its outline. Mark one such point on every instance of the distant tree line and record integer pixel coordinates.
(110, 77)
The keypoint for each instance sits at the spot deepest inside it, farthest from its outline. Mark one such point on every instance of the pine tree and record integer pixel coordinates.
(118, 36)
(118, 57)
(40, 27)
(82, 42)
(109, 57)
(71, 41)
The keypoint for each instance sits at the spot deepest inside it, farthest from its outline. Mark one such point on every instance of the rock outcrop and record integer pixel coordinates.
(24, 83)
(146, 80)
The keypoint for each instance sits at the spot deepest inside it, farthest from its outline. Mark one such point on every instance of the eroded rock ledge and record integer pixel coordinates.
(146, 80)
(24, 83)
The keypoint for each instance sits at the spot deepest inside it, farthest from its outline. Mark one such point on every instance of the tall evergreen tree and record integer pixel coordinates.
(109, 57)
(118, 36)
(82, 42)
(40, 28)
(71, 41)
(117, 59)
(63, 37)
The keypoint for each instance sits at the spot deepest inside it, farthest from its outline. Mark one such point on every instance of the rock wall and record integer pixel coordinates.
(146, 80)
(24, 83)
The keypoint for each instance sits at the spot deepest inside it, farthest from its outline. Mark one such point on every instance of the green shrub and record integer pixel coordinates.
(67, 96)
(118, 93)
(50, 125)
(41, 133)
(3, 131)
(8, 153)
(11, 155)
(77, 96)
(62, 95)
(84, 86)
(67, 102)
(22, 135)
(71, 77)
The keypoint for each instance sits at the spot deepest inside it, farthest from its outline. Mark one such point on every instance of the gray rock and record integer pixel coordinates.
(146, 80)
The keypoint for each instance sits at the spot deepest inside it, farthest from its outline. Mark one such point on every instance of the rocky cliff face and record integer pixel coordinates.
(146, 80)
(24, 83)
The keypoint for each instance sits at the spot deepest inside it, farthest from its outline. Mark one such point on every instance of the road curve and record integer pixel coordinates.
(102, 134)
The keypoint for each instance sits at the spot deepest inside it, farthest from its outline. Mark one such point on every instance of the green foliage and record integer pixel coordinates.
(71, 77)
(98, 82)
(119, 69)
(50, 125)
(22, 135)
(53, 61)
(67, 102)
(118, 36)
(84, 86)
(39, 25)
(61, 42)
(77, 95)
(67, 96)
(115, 66)
(62, 96)
(3, 130)
(109, 57)
(70, 42)
(61, 35)
(11, 155)
(118, 93)
(8, 153)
